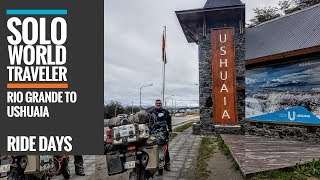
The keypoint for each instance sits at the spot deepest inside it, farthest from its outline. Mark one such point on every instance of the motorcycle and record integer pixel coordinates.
(32, 167)
(131, 146)
(144, 161)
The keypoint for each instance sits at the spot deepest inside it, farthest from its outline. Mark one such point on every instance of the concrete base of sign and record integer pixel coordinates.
(228, 129)
(196, 128)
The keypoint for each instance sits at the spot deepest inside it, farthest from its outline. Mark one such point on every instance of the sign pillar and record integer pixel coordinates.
(223, 77)
(219, 31)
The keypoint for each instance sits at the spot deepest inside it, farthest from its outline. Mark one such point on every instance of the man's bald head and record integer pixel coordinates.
(158, 103)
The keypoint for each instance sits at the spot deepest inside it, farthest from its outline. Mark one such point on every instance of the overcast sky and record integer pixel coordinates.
(133, 35)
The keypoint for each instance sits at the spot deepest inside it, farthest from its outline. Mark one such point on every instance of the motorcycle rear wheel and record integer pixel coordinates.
(137, 174)
(16, 174)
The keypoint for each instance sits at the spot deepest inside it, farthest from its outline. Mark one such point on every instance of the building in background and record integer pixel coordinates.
(283, 77)
(276, 77)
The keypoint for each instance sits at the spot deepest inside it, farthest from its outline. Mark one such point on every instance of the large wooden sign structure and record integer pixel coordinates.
(223, 77)
(224, 83)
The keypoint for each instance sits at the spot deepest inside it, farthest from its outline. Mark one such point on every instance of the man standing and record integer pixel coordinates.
(163, 124)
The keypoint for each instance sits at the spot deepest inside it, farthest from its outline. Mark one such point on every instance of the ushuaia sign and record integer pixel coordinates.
(223, 77)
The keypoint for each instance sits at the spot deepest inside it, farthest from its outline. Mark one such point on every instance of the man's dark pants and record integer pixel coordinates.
(78, 161)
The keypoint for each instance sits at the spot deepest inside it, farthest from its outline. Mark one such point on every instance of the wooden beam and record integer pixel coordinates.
(254, 61)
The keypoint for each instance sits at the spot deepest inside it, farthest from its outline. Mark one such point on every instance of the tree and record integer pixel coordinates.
(284, 7)
(263, 15)
(129, 109)
(110, 108)
(307, 3)
(300, 4)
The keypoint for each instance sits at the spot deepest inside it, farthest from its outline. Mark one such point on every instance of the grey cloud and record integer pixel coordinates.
(133, 34)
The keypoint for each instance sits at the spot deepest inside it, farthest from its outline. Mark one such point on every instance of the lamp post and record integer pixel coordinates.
(140, 92)
(132, 108)
(165, 100)
(115, 110)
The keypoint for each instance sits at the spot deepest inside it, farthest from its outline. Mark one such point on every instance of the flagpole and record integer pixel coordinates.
(164, 65)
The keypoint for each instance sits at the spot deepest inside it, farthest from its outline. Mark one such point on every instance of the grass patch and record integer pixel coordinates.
(183, 127)
(180, 129)
(311, 169)
(235, 166)
(225, 150)
(275, 174)
(298, 172)
(173, 135)
(206, 151)
(222, 146)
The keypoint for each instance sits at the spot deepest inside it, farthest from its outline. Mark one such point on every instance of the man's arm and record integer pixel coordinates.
(150, 110)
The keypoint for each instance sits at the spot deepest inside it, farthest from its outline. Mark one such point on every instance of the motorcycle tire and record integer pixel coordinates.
(16, 174)
(160, 171)
(134, 175)
(137, 174)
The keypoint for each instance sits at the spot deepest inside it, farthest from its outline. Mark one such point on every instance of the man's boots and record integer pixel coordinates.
(80, 171)
(167, 167)
(78, 165)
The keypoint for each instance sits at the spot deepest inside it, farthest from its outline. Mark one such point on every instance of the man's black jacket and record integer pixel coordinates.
(161, 117)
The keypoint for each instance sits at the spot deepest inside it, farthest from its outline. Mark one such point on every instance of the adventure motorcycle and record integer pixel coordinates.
(32, 167)
(130, 145)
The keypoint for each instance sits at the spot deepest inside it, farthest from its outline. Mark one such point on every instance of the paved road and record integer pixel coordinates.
(180, 120)
(183, 153)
